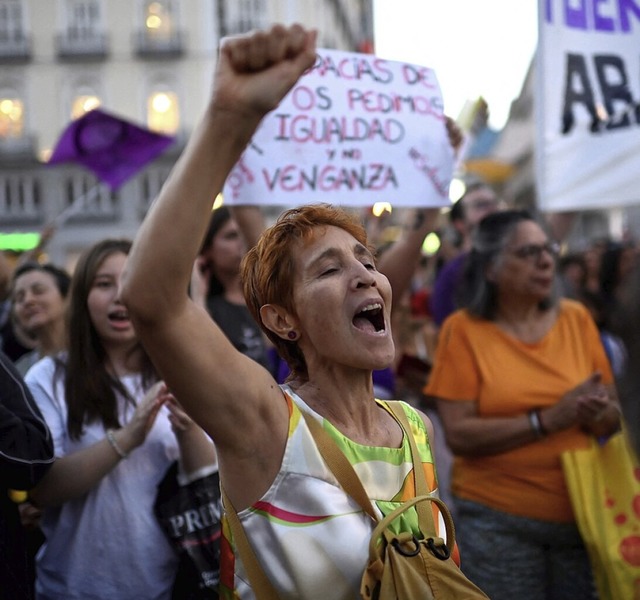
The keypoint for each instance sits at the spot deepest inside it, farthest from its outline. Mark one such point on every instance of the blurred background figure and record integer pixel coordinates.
(13, 341)
(217, 285)
(519, 377)
(26, 453)
(112, 425)
(572, 273)
(593, 261)
(628, 328)
(478, 200)
(38, 296)
(617, 262)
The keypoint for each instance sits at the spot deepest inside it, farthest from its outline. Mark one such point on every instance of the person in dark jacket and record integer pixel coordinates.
(26, 453)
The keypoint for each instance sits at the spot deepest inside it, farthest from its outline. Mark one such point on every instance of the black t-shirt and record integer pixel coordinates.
(238, 325)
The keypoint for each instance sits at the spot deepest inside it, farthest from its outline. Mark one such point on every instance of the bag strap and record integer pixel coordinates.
(422, 489)
(260, 584)
(350, 482)
(425, 515)
(339, 465)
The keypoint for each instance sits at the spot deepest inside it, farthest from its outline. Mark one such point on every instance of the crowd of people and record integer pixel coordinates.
(214, 349)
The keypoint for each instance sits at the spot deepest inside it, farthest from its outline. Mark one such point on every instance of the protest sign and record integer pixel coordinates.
(588, 100)
(355, 130)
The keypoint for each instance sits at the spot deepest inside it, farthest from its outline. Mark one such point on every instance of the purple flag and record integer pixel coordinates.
(112, 148)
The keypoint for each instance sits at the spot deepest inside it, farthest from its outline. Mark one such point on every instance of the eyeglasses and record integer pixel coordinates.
(483, 204)
(533, 252)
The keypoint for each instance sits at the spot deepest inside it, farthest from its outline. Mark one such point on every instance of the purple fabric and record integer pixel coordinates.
(112, 148)
(384, 378)
(443, 297)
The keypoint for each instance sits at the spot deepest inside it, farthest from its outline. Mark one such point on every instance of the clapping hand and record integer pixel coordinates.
(180, 421)
(145, 414)
(585, 405)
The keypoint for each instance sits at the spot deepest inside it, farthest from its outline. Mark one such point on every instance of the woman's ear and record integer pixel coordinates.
(279, 320)
(491, 271)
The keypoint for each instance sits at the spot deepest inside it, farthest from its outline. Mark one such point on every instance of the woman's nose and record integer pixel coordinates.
(364, 276)
(27, 298)
(545, 258)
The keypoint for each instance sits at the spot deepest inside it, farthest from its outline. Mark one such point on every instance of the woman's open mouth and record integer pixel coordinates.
(370, 318)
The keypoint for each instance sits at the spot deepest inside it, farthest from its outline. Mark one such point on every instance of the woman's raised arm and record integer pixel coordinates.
(254, 73)
(219, 387)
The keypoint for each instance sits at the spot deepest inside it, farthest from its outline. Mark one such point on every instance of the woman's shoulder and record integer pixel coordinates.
(463, 324)
(573, 310)
(43, 369)
(412, 413)
(26, 361)
(414, 416)
(463, 318)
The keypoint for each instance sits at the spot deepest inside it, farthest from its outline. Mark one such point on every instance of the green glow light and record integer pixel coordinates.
(19, 242)
(431, 244)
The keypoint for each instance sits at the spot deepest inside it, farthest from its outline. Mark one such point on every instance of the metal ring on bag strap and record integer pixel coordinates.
(375, 548)
(440, 552)
(395, 542)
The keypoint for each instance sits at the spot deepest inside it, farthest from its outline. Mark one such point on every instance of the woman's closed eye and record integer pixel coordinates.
(369, 265)
(328, 271)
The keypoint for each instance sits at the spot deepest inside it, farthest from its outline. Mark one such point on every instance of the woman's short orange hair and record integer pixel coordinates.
(268, 269)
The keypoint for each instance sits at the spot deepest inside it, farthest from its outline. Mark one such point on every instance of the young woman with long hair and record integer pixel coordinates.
(116, 430)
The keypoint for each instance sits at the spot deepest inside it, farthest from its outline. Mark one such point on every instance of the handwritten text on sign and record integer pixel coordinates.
(355, 130)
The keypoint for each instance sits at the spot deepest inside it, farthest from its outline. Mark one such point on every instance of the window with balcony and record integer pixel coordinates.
(88, 199)
(15, 142)
(240, 16)
(83, 103)
(14, 43)
(83, 33)
(20, 198)
(150, 183)
(11, 115)
(163, 112)
(160, 34)
(83, 91)
(159, 20)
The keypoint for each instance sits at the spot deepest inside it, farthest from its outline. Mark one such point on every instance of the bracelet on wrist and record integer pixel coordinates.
(111, 438)
(536, 423)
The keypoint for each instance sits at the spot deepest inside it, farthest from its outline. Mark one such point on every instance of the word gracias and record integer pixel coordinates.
(370, 68)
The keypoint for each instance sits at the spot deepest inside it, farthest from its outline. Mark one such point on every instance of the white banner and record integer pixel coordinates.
(588, 99)
(355, 130)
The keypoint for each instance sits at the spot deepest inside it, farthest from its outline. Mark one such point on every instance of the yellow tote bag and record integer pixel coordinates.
(604, 485)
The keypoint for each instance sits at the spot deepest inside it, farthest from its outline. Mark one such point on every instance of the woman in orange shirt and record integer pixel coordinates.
(520, 377)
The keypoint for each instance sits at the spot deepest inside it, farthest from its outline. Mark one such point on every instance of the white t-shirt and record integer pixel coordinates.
(108, 544)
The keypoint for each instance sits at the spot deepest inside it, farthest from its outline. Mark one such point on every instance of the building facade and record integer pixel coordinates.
(148, 61)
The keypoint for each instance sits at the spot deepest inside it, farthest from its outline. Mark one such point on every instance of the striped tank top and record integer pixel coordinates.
(310, 537)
